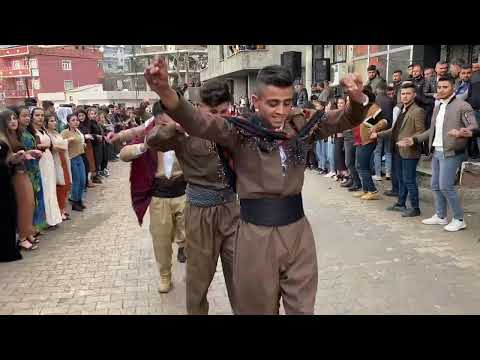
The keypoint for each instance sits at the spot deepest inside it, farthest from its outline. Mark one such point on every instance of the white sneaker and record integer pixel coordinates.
(435, 220)
(377, 178)
(456, 225)
(330, 174)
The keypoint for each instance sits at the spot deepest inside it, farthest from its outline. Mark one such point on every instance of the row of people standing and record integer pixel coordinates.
(46, 169)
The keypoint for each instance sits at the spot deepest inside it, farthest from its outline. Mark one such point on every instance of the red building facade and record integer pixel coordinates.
(28, 70)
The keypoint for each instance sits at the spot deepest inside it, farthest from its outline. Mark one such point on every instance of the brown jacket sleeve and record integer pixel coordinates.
(420, 121)
(163, 138)
(340, 120)
(203, 125)
(468, 116)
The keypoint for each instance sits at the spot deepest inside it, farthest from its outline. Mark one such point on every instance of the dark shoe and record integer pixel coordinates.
(76, 207)
(355, 188)
(97, 180)
(390, 193)
(82, 205)
(181, 255)
(397, 207)
(411, 213)
(348, 184)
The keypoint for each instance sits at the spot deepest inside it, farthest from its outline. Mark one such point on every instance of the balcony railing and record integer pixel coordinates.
(15, 93)
(8, 71)
(235, 49)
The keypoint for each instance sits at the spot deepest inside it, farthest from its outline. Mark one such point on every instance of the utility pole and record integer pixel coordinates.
(135, 71)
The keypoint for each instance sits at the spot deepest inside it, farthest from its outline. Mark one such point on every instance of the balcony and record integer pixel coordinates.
(11, 94)
(10, 72)
(14, 51)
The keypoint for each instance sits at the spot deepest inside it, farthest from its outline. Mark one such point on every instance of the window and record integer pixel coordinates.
(16, 64)
(67, 65)
(381, 63)
(221, 54)
(33, 64)
(36, 84)
(35, 72)
(340, 53)
(398, 61)
(377, 48)
(68, 84)
(360, 50)
(20, 84)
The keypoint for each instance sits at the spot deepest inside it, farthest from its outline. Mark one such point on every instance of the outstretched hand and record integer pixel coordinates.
(353, 86)
(156, 76)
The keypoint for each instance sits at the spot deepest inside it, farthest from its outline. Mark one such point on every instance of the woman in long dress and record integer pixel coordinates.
(20, 180)
(47, 169)
(29, 142)
(88, 158)
(62, 164)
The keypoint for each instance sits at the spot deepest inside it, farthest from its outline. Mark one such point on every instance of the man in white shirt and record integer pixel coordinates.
(448, 153)
(157, 183)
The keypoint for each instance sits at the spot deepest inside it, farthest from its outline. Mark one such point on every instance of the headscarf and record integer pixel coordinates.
(62, 114)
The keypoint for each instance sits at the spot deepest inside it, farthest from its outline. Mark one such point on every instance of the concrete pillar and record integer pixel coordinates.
(308, 69)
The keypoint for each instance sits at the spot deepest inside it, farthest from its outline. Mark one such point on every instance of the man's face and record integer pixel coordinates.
(441, 69)
(318, 105)
(340, 104)
(428, 73)
(116, 110)
(397, 77)
(465, 74)
(222, 109)
(129, 113)
(476, 67)
(391, 93)
(417, 71)
(410, 70)
(274, 104)
(407, 96)
(372, 74)
(444, 89)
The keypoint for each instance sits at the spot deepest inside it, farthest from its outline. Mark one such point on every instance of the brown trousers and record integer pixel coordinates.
(25, 204)
(167, 224)
(275, 261)
(210, 233)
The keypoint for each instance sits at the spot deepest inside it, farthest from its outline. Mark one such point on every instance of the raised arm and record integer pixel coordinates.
(196, 123)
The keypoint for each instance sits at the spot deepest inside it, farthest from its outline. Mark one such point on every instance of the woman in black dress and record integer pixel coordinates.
(8, 243)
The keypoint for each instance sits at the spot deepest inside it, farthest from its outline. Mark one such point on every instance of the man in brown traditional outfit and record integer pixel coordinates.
(275, 250)
(212, 210)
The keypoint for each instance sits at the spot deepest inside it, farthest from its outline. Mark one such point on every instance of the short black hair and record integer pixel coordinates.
(308, 105)
(157, 109)
(47, 103)
(275, 75)
(215, 92)
(418, 65)
(450, 79)
(466, 66)
(313, 97)
(398, 71)
(408, 85)
(410, 66)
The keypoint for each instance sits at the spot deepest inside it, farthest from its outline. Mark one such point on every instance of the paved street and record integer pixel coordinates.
(370, 261)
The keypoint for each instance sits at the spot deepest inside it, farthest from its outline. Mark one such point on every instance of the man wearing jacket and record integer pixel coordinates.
(157, 183)
(212, 210)
(374, 78)
(410, 122)
(448, 153)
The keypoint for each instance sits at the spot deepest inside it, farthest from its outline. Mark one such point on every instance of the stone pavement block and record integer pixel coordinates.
(58, 310)
(95, 299)
(109, 305)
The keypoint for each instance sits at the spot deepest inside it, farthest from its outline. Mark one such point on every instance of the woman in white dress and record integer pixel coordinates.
(47, 169)
(62, 164)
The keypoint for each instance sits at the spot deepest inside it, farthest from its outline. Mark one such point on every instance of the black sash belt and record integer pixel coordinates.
(168, 188)
(272, 212)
